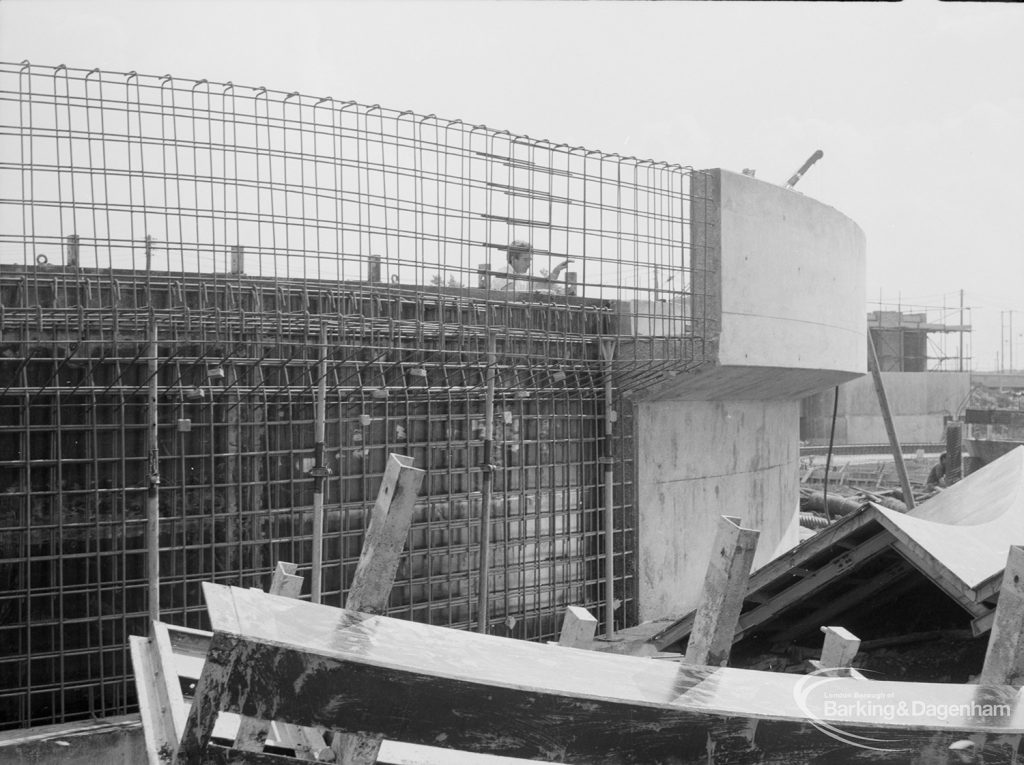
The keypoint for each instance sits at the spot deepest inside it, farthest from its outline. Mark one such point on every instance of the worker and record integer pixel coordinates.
(517, 276)
(937, 476)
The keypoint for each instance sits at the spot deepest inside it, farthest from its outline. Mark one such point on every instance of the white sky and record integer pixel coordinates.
(918, 106)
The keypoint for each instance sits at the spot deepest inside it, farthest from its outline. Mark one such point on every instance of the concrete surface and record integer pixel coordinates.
(704, 460)
(918, 400)
(779, 283)
(792, 281)
(999, 379)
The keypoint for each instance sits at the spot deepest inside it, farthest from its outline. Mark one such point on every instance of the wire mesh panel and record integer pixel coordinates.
(218, 179)
(268, 240)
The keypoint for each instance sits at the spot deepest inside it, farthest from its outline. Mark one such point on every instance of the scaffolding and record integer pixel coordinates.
(198, 279)
(921, 338)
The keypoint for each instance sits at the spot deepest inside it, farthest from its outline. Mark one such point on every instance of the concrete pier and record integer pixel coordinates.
(784, 279)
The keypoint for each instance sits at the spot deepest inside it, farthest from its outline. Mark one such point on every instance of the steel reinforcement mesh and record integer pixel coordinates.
(267, 240)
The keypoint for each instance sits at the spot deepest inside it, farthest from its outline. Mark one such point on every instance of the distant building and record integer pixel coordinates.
(902, 342)
(926, 377)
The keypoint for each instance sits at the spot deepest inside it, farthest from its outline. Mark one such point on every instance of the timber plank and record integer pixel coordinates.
(307, 742)
(310, 664)
(1004, 658)
(216, 754)
(285, 581)
(212, 686)
(813, 582)
(840, 647)
(879, 582)
(166, 673)
(982, 624)
(725, 583)
(932, 568)
(578, 628)
(768, 577)
(375, 573)
(385, 536)
(157, 723)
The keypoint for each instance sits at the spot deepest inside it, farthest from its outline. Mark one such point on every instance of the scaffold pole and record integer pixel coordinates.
(153, 492)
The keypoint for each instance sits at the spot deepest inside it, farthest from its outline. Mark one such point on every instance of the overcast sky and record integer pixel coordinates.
(918, 106)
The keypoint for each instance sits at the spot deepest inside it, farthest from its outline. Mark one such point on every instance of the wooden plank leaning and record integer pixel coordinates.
(155, 709)
(385, 536)
(1004, 658)
(375, 573)
(725, 584)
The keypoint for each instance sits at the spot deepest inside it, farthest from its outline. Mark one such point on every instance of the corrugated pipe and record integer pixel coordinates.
(813, 521)
(837, 506)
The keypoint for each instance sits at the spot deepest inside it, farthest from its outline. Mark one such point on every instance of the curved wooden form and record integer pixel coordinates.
(278, 659)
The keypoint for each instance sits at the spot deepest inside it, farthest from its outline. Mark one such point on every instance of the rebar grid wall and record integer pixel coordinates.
(261, 237)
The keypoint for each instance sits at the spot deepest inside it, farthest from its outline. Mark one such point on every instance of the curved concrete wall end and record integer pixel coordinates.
(792, 281)
(783, 275)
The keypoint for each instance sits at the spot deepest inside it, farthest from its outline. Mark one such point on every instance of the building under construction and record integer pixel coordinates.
(190, 270)
(920, 340)
(222, 308)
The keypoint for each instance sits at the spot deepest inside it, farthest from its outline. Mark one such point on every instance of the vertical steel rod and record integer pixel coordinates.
(483, 612)
(319, 469)
(828, 455)
(608, 351)
(153, 491)
(961, 332)
(890, 428)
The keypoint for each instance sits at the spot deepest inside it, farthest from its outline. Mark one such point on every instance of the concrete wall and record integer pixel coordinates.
(792, 282)
(918, 400)
(999, 379)
(783, 277)
(704, 460)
